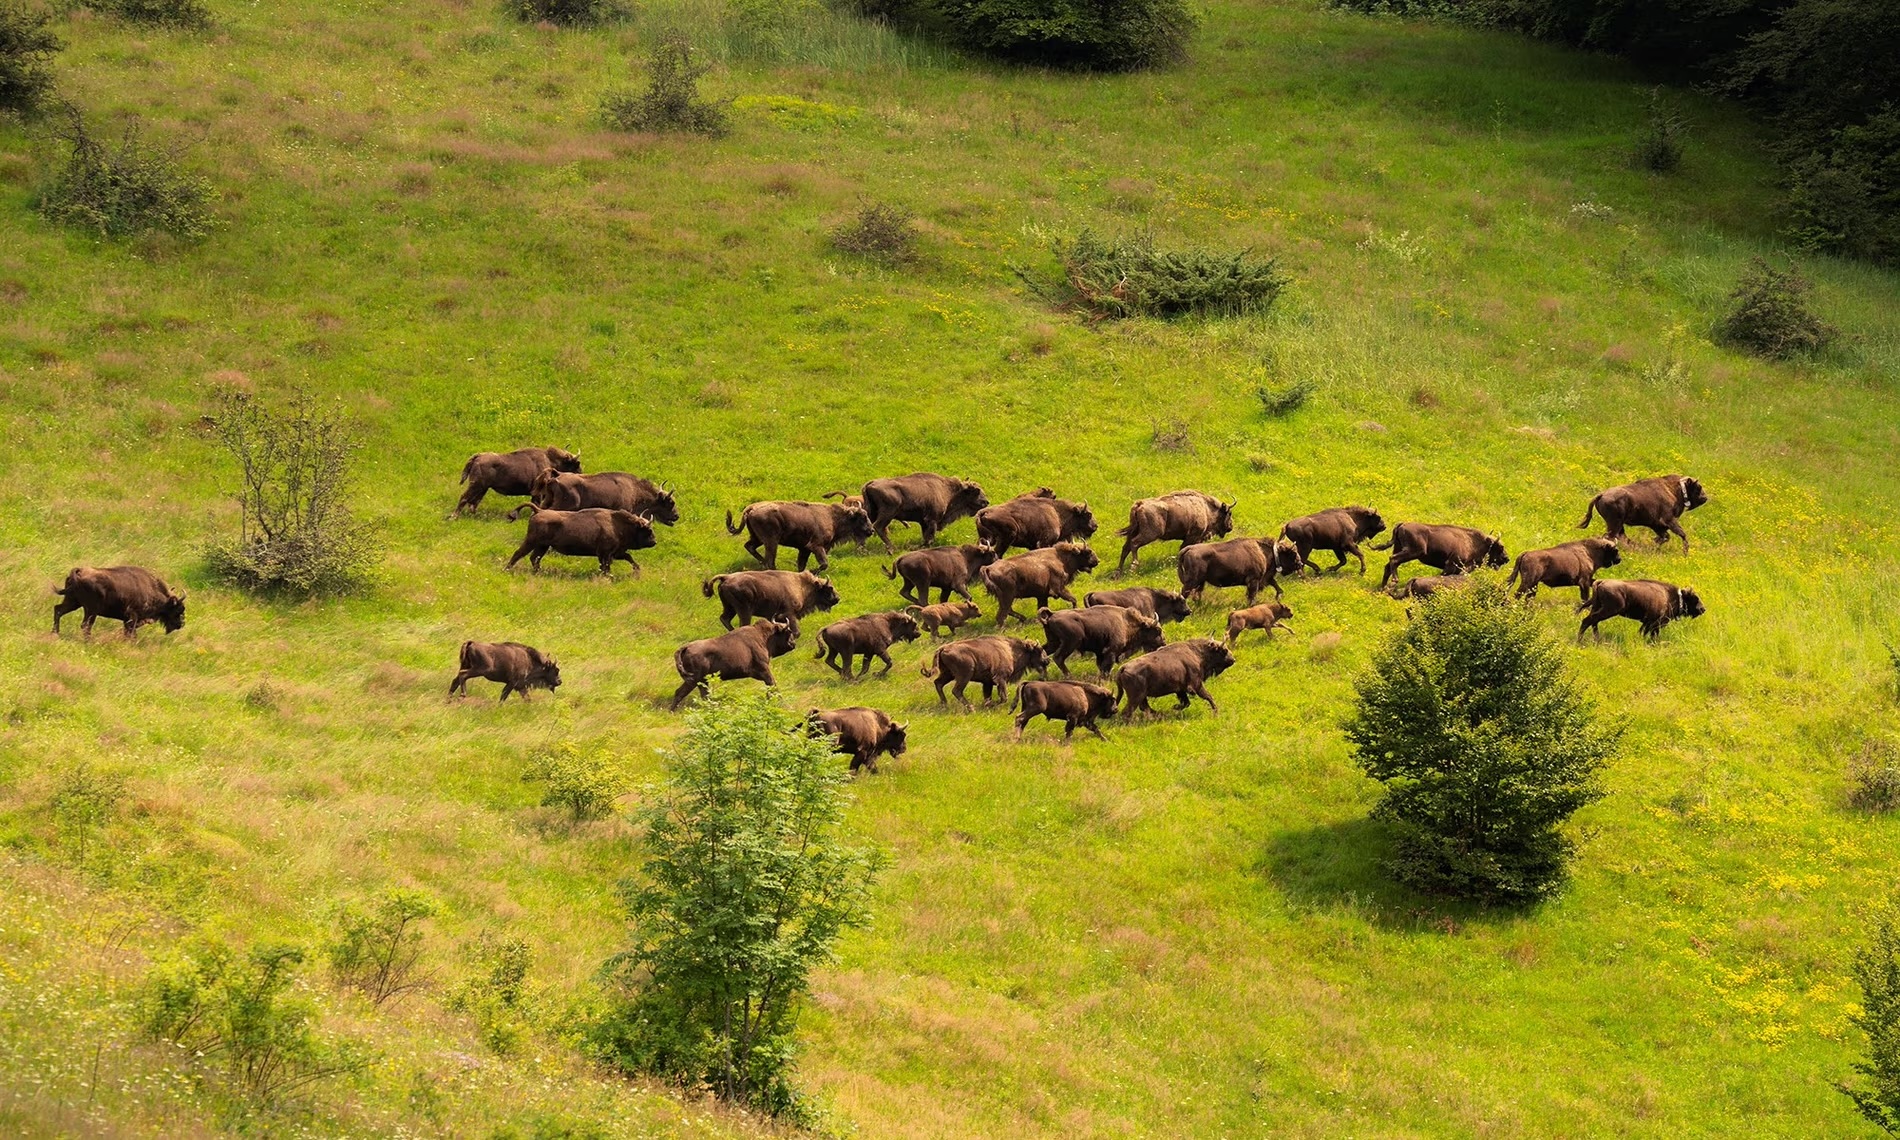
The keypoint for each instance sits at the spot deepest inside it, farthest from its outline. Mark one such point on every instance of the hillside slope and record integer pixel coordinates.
(1181, 931)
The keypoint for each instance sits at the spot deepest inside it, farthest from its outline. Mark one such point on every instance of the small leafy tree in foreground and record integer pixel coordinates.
(26, 43)
(671, 101)
(746, 886)
(1877, 970)
(1484, 744)
(377, 949)
(585, 782)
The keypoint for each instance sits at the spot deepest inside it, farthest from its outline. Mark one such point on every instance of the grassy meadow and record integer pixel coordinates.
(1180, 932)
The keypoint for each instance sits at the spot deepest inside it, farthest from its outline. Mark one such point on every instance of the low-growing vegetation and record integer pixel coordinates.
(125, 189)
(1873, 776)
(1659, 149)
(567, 13)
(671, 101)
(1285, 399)
(1876, 970)
(27, 44)
(377, 948)
(1109, 278)
(175, 14)
(586, 782)
(1113, 35)
(878, 232)
(1769, 314)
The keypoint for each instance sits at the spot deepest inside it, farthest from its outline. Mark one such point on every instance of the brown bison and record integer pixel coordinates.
(1182, 669)
(1652, 604)
(511, 473)
(1448, 549)
(1179, 516)
(1162, 605)
(1571, 564)
(1425, 587)
(592, 533)
(809, 528)
(1034, 520)
(1658, 504)
(1255, 563)
(929, 500)
(1339, 530)
(614, 490)
(941, 568)
(130, 594)
(995, 663)
(1111, 633)
(860, 733)
(1074, 703)
(944, 616)
(1267, 616)
(746, 652)
(518, 667)
(869, 636)
(782, 595)
(1038, 574)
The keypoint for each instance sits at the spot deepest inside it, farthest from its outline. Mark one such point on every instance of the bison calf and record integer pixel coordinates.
(1657, 504)
(129, 594)
(860, 733)
(1182, 669)
(993, 662)
(942, 568)
(1162, 605)
(1266, 616)
(518, 667)
(943, 616)
(1110, 633)
(1571, 564)
(1076, 704)
(746, 652)
(869, 636)
(1425, 587)
(1650, 603)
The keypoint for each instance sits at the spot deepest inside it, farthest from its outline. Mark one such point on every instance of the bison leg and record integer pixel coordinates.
(509, 687)
(534, 560)
(1392, 565)
(520, 553)
(765, 675)
(942, 680)
(687, 685)
(885, 656)
(1005, 609)
(85, 626)
(1090, 725)
(60, 609)
(1356, 553)
(989, 689)
(804, 558)
(1063, 593)
(1584, 585)
(1590, 623)
(1022, 718)
(461, 682)
(957, 691)
(471, 498)
(1131, 551)
(131, 629)
(1200, 690)
(1675, 527)
(752, 547)
(1652, 630)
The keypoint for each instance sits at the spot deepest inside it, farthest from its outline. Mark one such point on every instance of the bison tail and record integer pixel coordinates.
(888, 572)
(1587, 512)
(468, 469)
(1127, 531)
(1043, 614)
(823, 651)
(731, 529)
(463, 656)
(1016, 700)
(928, 667)
(1386, 545)
(707, 587)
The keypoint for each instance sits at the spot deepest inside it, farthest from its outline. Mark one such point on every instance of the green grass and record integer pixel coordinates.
(1182, 931)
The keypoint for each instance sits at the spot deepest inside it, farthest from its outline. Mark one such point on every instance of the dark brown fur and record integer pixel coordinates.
(613, 490)
(946, 569)
(782, 595)
(1162, 605)
(518, 667)
(1657, 504)
(1650, 603)
(1074, 703)
(1427, 585)
(809, 528)
(1571, 564)
(1182, 669)
(931, 501)
(869, 636)
(1033, 521)
(993, 662)
(745, 653)
(592, 533)
(1038, 574)
(129, 594)
(510, 473)
(860, 733)
(1255, 563)
(1340, 530)
(1449, 549)
(1110, 633)
(1179, 516)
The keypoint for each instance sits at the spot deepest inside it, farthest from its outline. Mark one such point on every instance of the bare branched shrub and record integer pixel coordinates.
(124, 190)
(671, 101)
(26, 44)
(1770, 315)
(879, 232)
(298, 534)
(378, 949)
(1171, 436)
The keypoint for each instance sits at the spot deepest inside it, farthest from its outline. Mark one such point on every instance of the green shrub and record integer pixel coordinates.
(1770, 315)
(84, 799)
(1122, 277)
(125, 190)
(878, 232)
(746, 885)
(1111, 35)
(1876, 969)
(238, 1012)
(1659, 149)
(1283, 399)
(1484, 744)
(1873, 777)
(295, 463)
(155, 13)
(26, 44)
(1893, 659)
(586, 783)
(567, 13)
(671, 101)
(495, 993)
(377, 950)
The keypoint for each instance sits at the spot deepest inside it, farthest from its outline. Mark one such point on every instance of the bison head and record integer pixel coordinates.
(1603, 552)
(821, 594)
(979, 554)
(171, 615)
(1688, 604)
(1218, 658)
(1033, 656)
(781, 637)
(1101, 700)
(1038, 493)
(967, 497)
(903, 626)
(1368, 522)
(543, 673)
(564, 460)
(1223, 519)
(664, 509)
(967, 611)
(1170, 606)
(1284, 555)
(1083, 522)
(1494, 555)
(1148, 636)
(894, 740)
(1692, 494)
(1077, 557)
(634, 530)
(857, 522)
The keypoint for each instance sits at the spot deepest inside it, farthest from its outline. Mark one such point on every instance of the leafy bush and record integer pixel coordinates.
(1484, 744)
(26, 44)
(84, 798)
(297, 534)
(1111, 35)
(567, 13)
(1659, 150)
(127, 190)
(746, 885)
(377, 950)
(156, 13)
(879, 232)
(1284, 399)
(1873, 777)
(1128, 278)
(671, 101)
(1770, 316)
(1876, 969)
(586, 783)
(496, 993)
(238, 1010)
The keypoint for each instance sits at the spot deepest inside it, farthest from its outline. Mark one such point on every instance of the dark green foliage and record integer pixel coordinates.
(1485, 746)
(26, 44)
(495, 993)
(747, 883)
(879, 232)
(124, 190)
(1284, 399)
(584, 782)
(295, 465)
(1659, 150)
(1769, 314)
(1111, 35)
(1112, 278)
(156, 13)
(1877, 971)
(671, 101)
(377, 949)
(567, 13)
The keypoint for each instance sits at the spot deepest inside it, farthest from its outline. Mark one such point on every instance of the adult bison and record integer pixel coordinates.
(1110, 633)
(1074, 703)
(993, 662)
(1255, 563)
(613, 490)
(1179, 516)
(592, 533)
(1038, 574)
(510, 473)
(869, 636)
(746, 652)
(931, 501)
(946, 569)
(518, 667)
(782, 595)
(1162, 605)
(1267, 616)
(1658, 504)
(1650, 603)
(1448, 549)
(950, 616)
(860, 733)
(1426, 586)
(1339, 530)
(129, 594)
(1570, 564)
(1182, 669)
(1034, 520)
(809, 528)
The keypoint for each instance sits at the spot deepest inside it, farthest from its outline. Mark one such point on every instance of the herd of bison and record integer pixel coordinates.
(609, 515)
